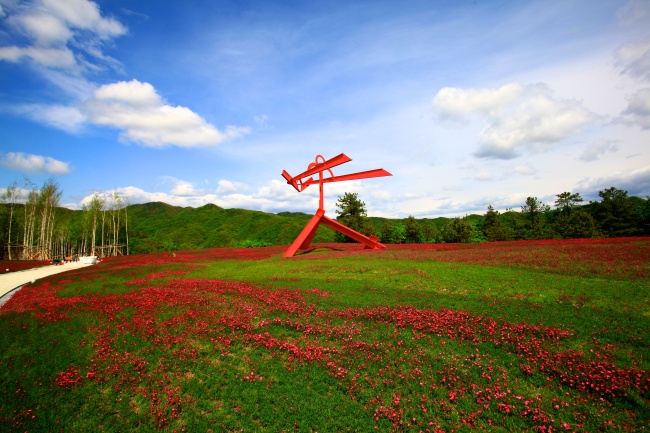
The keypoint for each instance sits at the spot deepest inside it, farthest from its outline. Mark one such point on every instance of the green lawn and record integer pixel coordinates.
(520, 336)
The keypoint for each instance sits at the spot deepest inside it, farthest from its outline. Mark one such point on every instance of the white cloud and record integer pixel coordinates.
(144, 118)
(186, 189)
(229, 187)
(43, 28)
(274, 196)
(69, 119)
(55, 27)
(276, 188)
(638, 109)
(134, 195)
(457, 104)
(76, 86)
(517, 117)
(33, 163)
(182, 188)
(50, 57)
(257, 201)
(635, 182)
(598, 148)
(634, 59)
(84, 14)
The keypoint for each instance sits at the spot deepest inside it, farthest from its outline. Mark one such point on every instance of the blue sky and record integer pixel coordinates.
(466, 103)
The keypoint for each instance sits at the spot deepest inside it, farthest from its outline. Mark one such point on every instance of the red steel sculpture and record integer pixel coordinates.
(304, 179)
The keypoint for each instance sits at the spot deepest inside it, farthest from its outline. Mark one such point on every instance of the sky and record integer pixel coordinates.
(466, 103)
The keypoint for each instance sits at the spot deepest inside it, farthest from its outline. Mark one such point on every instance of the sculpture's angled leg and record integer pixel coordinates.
(305, 244)
(306, 235)
(368, 242)
(374, 239)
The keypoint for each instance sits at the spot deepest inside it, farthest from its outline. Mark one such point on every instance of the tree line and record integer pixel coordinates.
(33, 226)
(615, 214)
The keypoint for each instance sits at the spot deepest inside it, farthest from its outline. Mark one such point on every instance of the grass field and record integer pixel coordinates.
(544, 336)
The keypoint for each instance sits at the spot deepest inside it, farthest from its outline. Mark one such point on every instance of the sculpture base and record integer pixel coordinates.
(305, 237)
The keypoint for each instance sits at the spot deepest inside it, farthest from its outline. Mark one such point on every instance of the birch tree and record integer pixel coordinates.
(31, 203)
(11, 196)
(126, 223)
(93, 210)
(48, 202)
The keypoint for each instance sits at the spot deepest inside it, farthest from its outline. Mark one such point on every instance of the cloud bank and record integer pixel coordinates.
(638, 109)
(633, 59)
(33, 163)
(517, 118)
(636, 182)
(144, 118)
(55, 29)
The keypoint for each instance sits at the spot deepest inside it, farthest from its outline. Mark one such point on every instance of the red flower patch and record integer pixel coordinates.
(145, 341)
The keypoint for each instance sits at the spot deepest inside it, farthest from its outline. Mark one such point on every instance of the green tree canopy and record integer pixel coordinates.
(567, 201)
(577, 224)
(352, 213)
(614, 213)
(387, 235)
(412, 230)
(458, 230)
(493, 227)
(533, 212)
(430, 233)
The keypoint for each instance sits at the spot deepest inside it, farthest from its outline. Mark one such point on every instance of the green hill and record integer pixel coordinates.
(159, 226)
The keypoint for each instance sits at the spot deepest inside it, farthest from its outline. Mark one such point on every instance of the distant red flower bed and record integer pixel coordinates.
(617, 257)
(193, 256)
(21, 265)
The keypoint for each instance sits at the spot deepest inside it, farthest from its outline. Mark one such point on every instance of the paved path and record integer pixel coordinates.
(14, 280)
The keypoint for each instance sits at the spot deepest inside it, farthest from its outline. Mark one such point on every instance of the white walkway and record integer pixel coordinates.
(13, 280)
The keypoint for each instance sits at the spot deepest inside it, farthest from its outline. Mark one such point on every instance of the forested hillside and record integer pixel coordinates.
(159, 226)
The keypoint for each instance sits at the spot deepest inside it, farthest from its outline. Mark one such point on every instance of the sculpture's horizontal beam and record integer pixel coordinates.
(290, 180)
(333, 162)
(353, 176)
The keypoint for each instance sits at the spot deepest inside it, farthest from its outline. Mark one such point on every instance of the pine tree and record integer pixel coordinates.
(352, 213)
(614, 213)
(386, 233)
(412, 230)
(493, 227)
(458, 230)
(430, 232)
(533, 212)
(567, 201)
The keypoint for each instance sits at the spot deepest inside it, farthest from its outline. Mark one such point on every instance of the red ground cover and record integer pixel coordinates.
(617, 257)
(368, 350)
(608, 257)
(364, 348)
